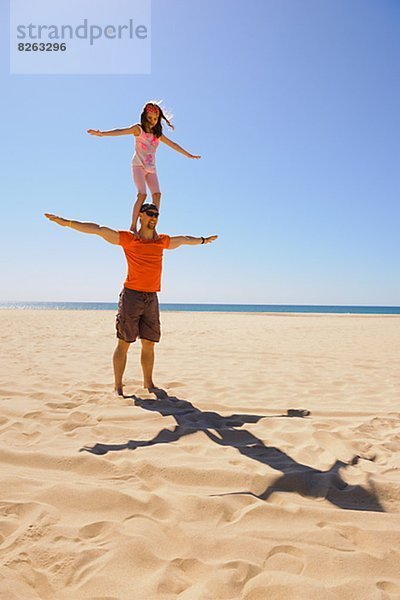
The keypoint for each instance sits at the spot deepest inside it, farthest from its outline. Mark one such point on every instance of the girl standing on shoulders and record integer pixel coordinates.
(147, 137)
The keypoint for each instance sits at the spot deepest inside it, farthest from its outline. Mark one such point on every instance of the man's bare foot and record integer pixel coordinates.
(118, 391)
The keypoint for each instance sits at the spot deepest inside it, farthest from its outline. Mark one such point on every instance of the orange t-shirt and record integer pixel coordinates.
(144, 258)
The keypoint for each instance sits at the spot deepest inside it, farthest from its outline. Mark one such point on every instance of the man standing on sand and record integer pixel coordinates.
(138, 311)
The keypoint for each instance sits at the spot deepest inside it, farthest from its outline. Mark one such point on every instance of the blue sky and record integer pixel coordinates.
(293, 105)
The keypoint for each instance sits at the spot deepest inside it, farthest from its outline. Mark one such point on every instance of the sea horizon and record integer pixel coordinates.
(213, 307)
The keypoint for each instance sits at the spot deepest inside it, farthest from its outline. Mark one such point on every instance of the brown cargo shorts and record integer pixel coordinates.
(138, 316)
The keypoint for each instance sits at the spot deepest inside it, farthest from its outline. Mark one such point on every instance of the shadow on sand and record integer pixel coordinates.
(225, 431)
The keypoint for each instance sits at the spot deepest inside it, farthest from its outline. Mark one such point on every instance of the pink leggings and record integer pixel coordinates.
(141, 177)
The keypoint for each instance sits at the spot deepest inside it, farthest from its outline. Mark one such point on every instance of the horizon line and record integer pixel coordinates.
(203, 303)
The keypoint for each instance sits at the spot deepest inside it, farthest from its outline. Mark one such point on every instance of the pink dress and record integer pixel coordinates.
(144, 163)
(145, 151)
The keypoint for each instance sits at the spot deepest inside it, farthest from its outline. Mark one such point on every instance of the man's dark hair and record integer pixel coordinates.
(148, 206)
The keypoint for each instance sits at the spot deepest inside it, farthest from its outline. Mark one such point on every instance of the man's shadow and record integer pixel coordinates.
(225, 431)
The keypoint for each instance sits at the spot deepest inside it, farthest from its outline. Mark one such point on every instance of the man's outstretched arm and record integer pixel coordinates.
(188, 240)
(109, 235)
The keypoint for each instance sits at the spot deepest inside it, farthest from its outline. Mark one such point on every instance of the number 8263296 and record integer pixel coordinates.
(42, 47)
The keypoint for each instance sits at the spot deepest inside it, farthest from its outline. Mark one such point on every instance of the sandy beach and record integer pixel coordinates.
(214, 492)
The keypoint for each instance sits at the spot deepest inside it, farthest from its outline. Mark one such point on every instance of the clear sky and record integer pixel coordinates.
(294, 107)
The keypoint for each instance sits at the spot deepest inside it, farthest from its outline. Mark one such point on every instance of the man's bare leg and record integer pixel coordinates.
(147, 360)
(119, 363)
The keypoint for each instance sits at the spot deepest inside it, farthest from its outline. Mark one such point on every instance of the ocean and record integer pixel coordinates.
(239, 308)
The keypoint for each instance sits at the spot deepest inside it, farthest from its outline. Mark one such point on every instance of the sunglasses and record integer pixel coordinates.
(152, 213)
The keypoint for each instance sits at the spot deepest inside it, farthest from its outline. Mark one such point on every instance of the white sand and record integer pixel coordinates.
(240, 508)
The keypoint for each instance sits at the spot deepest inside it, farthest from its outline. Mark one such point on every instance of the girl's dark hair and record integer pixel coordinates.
(157, 129)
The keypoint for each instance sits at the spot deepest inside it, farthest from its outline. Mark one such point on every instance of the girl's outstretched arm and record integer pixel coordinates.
(131, 130)
(177, 147)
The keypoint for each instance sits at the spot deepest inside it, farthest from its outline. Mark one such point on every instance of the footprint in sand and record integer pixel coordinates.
(389, 587)
(339, 448)
(36, 414)
(8, 394)
(242, 571)
(27, 521)
(7, 528)
(172, 581)
(29, 437)
(21, 434)
(61, 405)
(96, 387)
(78, 419)
(38, 395)
(174, 384)
(96, 530)
(285, 558)
(3, 421)
(344, 541)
